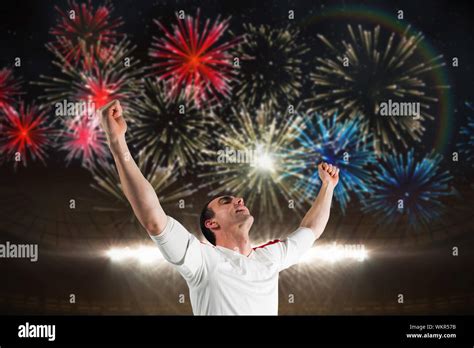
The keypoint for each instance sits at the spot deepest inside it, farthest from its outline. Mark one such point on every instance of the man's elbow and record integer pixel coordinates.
(154, 227)
(317, 230)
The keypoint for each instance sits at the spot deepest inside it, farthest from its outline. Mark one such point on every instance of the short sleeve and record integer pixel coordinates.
(288, 251)
(182, 249)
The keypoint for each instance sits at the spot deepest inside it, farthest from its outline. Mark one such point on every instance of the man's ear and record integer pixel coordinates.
(211, 224)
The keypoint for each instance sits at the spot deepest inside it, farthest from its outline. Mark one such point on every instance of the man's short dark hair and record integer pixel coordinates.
(207, 214)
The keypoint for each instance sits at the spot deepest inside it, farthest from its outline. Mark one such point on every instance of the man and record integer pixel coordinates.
(227, 276)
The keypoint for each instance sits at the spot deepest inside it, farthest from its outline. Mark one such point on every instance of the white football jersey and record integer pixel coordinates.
(224, 282)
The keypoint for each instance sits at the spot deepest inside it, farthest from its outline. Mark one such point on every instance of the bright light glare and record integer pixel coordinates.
(263, 160)
(335, 253)
(329, 253)
(141, 253)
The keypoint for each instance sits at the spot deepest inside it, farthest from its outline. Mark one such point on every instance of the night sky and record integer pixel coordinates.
(33, 207)
(446, 26)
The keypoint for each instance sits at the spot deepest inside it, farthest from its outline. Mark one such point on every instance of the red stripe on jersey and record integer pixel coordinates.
(267, 244)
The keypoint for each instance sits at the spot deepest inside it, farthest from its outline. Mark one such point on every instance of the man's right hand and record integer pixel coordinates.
(112, 121)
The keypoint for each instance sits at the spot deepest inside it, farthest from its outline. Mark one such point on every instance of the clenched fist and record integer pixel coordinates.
(328, 173)
(112, 121)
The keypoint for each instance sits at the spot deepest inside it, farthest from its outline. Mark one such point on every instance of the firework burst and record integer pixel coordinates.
(9, 88)
(84, 140)
(171, 130)
(164, 181)
(25, 134)
(466, 144)
(83, 91)
(338, 143)
(193, 61)
(114, 76)
(252, 159)
(82, 33)
(271, 63)
(405, 188)
(361, 74)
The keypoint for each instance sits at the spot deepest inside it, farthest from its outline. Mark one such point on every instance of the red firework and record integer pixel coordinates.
(192, 60)
(9, 87)
(100, 91)
(24, 132)
(84, 33)
(83, 139)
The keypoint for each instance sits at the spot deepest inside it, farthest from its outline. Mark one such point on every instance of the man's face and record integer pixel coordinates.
(228, 212)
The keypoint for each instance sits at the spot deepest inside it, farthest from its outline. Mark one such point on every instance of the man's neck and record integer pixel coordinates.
(237, 240)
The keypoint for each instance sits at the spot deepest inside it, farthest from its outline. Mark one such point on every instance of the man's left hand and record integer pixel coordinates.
(328, 173)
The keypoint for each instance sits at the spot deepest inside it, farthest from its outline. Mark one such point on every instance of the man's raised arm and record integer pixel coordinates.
(137, 189)
(318, 215)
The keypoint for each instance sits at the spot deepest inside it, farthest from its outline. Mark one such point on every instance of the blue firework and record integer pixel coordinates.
(341, 144)
(403, 187)
(466, 144)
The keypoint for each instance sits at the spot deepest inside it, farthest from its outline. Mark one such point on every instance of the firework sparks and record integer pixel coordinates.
(83, 139)
(171, 130)
(271, 62)
(252, 159)
(466, 144)
(164, 181)
(82, 33)
(9, 88)
(404, 187)
(338, 143)
(193, 61)
(100, 89)
(112, 78)
(365, 72)
(109, 79)
(25, 133)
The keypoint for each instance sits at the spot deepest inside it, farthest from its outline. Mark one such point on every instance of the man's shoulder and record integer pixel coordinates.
(270, 251)
(206, 247)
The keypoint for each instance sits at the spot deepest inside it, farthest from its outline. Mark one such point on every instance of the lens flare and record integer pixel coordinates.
(466, 145)
(145, 255)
